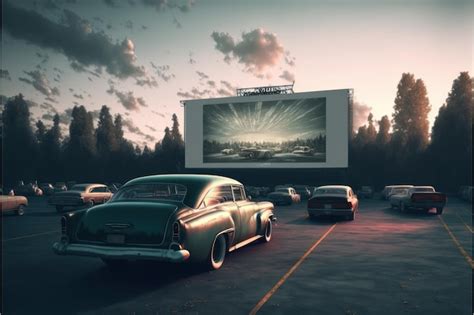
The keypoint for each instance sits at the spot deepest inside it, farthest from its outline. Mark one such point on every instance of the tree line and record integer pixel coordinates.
(396, 149)
(86, 154)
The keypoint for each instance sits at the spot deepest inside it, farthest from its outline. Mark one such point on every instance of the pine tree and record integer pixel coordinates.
(383, 136)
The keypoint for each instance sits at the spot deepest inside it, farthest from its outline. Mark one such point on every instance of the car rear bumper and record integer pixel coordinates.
(329, 212)
(426, 205)
(112, 252)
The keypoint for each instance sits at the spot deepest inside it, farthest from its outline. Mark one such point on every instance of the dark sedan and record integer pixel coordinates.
(171, 218)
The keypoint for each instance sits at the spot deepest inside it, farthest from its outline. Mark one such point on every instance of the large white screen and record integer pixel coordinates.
(300, 130)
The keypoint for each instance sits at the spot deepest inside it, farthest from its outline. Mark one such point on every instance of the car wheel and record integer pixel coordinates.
(267, 235)
(115, 264)
(251, 155)
(59, 208)
(439, 210)
(217, 254)
(20, 210)
(90, 203)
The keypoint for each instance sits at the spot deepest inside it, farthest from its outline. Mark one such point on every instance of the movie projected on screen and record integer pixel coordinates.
(277, 131)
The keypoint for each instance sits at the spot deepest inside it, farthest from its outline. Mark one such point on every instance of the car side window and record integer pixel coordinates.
(238, 193)
(218, 195)
(98, 189)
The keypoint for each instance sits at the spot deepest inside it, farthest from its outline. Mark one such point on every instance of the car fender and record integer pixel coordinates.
(262, 217)
(199, 232)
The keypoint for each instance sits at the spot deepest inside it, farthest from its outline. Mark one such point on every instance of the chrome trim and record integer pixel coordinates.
(243, 243)
(133, 253)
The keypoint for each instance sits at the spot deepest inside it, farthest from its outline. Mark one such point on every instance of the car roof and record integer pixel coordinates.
(197, 185)
(335, 186)
(422, 187)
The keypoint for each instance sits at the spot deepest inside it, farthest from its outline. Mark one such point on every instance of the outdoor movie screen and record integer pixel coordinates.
(299, 130)
(280, 131)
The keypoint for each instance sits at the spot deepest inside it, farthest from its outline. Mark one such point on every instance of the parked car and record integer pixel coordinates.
(419, 197)
(171, 218)
(227, 151)
(47, 188)
(81, 195)
(333, 200)
(386, 192)
(60, 186)
(16, 204)
(252, 191)
(29, 189)
(303, 150)
(256, 153)
(284, 196)
(365, 192)
(303, 191)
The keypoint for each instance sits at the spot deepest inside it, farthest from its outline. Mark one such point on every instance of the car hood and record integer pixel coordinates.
(140, 222)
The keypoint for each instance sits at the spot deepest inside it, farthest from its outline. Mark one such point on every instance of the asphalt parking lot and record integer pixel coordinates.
(384, 262)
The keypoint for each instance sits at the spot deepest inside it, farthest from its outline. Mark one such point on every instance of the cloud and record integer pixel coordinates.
(79, 96)
(130, 126)
(163, 72)
(74, 38)
(162, 5)
(158, 114)
(257, 50)
(151, 128)
(39, 81)
(225, 89)
(202, 75)
(191, 59)
(289, 59)
(149, 81)
(129, 25)
(360, 112)
(176, 22)
(288, 76)
(110, 3)
(4, 74)
(129, 101)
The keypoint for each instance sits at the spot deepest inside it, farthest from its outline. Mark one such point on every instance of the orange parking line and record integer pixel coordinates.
(280, 282)
(456, 242)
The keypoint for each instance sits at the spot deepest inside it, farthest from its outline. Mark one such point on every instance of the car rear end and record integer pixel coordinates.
(428, 200)
(330, 206)
(67, 199)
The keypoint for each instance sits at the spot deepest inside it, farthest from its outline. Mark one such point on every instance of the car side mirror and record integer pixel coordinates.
(249, 197)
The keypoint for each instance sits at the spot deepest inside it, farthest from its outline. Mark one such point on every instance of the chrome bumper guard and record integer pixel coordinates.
(132, 253)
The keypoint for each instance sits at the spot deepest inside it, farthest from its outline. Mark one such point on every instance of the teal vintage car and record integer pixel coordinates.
(171, 218)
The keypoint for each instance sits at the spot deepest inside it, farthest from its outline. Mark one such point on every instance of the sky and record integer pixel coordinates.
(270, 121)
(142, 57)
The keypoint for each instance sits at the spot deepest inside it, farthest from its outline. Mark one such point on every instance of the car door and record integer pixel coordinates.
(97, 194)
(247, 210)
(221, 198)
(6, 203)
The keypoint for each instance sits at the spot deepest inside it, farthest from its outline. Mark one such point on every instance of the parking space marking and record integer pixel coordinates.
(30, 235)
(458, 245)
(464, 222)
(280, 282)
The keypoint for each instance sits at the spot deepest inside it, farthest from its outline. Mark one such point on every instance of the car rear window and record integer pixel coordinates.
(423, 189)
(331, 191)
(151, 192)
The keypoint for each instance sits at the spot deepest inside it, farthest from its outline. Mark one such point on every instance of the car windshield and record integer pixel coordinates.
(330, 191)
(396, 191)
(79, 187)
(151, 192)
(423, 189)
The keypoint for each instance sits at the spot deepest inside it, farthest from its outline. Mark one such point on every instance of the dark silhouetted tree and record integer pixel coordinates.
(383, 136)
(451, 139)
(19, 139)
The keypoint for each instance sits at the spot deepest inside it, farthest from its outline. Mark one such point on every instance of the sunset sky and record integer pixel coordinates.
(141, 57)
